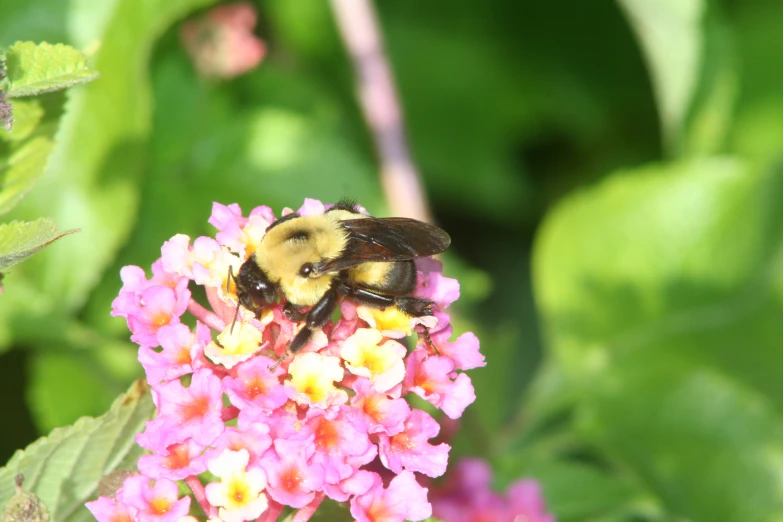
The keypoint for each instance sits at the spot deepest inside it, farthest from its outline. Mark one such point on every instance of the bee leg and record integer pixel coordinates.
(300, 339)
(414, 306)
(417, 307)
(318, 315)
(293, 313)
(425, 332)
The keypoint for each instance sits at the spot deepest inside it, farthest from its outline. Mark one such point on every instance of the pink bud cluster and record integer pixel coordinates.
(221, 43)
(467, 496)
(329, 422)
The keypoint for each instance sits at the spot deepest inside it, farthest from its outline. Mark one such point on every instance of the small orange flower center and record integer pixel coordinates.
(424, 383)
(178, 457)
(197, 408)
(402, 442)
(290, 479)
(254, 387)
(183, 356)
(372, 407)
(379, 513)
(326, 436)
(160, 506)
(161, 320)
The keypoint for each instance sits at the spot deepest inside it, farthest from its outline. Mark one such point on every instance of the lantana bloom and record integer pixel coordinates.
(251, 428)
(466, 496)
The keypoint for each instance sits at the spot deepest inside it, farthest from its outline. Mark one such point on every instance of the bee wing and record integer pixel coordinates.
(387, 239)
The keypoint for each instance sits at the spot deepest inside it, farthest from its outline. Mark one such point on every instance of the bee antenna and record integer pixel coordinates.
(236, 316)
(228, 286)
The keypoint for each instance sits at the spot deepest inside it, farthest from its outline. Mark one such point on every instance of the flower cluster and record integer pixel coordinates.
(331, 421)
(467, 497)
(221, 43)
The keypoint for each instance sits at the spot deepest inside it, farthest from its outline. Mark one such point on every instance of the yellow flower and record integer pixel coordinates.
(383, 364)
(390, 321)
(234, 347)
(313, 376)
(239, 493)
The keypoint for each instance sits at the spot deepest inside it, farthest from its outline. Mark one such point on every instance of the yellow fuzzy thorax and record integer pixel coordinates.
(291, 244)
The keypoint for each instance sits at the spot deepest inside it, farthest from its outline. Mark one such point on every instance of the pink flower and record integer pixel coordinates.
(148, 306)
(433, 285)
(358, 483)
(222, 44)
(293, 481)
(467, 496)
(179, 460)
(277, 429)
(429, 377)
(254, 439)
(182, 350)
(340, 447)
(404, 499)
(194, 411)
(410, 450)
(378, 412)
(111, 510)
(253, 385)
(241, 235)
(158, 503)
(525, 502)
(464, 351)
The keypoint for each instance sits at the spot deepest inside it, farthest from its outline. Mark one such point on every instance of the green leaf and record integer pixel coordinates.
(661, 292)
(689, 54)
(90, 389)
(24, 166)
(95, 169)
(38, 68)
(670, 35)
(573, 491)
(18, 241)
(64, 468)
(27, 116)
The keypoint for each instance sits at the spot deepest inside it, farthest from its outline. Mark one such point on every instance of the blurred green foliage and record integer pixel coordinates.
(609, 173)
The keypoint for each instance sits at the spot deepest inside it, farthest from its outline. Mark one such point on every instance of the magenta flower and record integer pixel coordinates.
(410, 450)
(322, 423)
(430, 378)
(222, 43)
(154, 503)
(293, 477)
(467, 496)
(404, 499)
(111, 510)
(194, 411)
(178, 461)
(340, 448)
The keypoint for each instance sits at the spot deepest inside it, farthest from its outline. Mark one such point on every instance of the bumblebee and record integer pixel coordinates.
(315, 261)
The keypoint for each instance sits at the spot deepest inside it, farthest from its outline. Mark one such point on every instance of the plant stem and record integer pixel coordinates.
(197, 488)
(304, 514)
(205, 316)
(381, 107)
(271, 513)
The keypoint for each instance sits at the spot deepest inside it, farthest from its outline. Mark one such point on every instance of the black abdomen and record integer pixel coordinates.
(400, 278)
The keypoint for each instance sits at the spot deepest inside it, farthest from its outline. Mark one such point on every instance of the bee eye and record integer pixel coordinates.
(305, 270)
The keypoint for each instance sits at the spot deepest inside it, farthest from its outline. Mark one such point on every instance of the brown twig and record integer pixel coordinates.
(381, 107)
